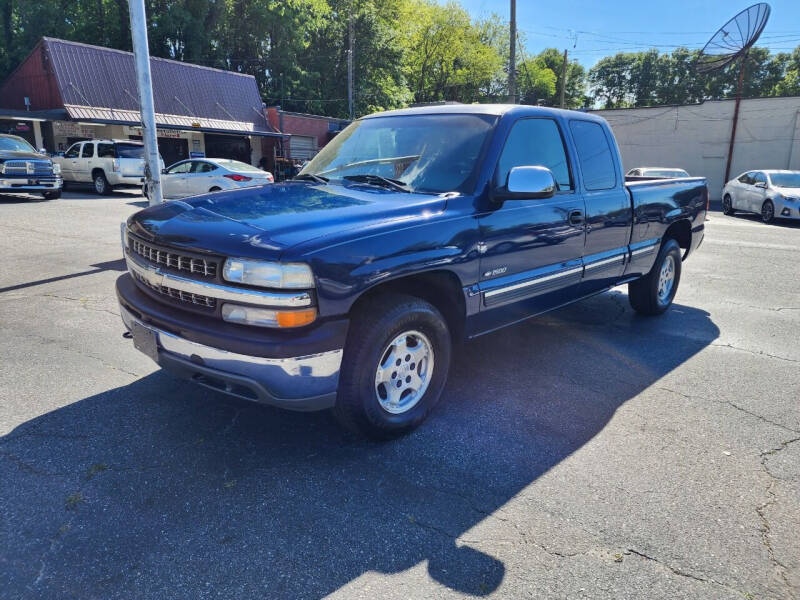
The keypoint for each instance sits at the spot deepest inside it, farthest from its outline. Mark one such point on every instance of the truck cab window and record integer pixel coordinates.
(88, 150)
(535, 143)
(73, 151)
(594, 154)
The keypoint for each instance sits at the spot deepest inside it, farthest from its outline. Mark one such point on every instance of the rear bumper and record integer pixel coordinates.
(301, 380)
(117, 180)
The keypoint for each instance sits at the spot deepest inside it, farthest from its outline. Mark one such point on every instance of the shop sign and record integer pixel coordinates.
(197, 154)
(71, 129)
(162, 133)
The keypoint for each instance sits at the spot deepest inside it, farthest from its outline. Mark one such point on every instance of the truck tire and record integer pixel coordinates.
(653, 294)
(768, 211)
(101, 183)
(394, 366)
(727, 205)
(52, 195)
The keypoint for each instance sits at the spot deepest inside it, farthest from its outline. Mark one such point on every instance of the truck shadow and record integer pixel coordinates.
(160, 486)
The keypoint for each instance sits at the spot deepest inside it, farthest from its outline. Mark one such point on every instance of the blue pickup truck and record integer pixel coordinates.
(413, 229)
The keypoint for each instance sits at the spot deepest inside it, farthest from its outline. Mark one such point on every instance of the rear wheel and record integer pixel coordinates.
(394, 367)
(653, 293)
(727, 205)
(768, 211)
(101, 186)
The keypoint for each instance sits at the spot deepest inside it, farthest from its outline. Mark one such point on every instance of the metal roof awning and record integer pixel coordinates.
(117, 116)
(33, 115)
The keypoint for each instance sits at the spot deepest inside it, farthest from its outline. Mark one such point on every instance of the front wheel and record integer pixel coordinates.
(727, 205)
(768, 211)
(653, 293)
(394, 367)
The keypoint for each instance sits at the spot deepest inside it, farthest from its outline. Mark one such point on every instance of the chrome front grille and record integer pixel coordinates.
(28, 167)
(188, 297)
(181, 262)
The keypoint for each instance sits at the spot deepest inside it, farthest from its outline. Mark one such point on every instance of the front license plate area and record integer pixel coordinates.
(145, 340)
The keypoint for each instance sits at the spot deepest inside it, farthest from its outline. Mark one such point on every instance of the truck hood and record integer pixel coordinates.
(16, 155)
(262, 222)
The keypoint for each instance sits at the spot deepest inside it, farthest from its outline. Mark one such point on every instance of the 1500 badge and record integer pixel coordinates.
(495, 272)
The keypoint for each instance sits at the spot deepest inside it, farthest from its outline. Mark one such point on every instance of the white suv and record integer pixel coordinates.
(106, 164)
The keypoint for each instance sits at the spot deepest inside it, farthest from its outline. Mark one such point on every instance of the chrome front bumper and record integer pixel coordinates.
(45, 184)
(302, 383)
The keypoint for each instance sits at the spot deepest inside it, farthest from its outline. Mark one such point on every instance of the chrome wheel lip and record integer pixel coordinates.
(414, 382)
(666, 279)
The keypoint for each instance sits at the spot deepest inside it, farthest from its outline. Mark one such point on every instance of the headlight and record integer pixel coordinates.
(56, 168)
(268, 274)
(123, 234)
(267, 317)
(2, 168)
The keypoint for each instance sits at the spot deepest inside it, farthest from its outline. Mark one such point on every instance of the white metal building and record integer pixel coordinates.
(695, 137)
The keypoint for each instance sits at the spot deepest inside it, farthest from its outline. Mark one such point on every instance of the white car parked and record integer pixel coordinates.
(203, 175)
(106, 164)
(771, 194)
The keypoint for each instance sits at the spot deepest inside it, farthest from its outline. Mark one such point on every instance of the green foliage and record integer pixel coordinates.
(651, 78)
(406, 51)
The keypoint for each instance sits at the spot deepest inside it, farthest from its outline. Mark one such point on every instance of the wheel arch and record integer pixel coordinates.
(441, 288)
(681, 232)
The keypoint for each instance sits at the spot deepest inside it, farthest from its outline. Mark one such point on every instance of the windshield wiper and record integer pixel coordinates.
(394, 184)
(310, 177)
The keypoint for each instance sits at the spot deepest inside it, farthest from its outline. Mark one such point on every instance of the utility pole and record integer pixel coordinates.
(512, 55)
(563, 78)
(350, 63)
(141, 55)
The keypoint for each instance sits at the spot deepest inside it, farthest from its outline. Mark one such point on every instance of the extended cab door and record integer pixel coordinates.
(531, 249)
(609, 214)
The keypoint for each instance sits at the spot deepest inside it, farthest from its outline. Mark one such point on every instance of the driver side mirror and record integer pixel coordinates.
(43, 151)
(527, 183)
(163, 171)
(761, 184)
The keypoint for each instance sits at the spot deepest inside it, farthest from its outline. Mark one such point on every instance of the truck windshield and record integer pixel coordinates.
(785, 180)
(15, 144)
(431, 153)
(130, 151)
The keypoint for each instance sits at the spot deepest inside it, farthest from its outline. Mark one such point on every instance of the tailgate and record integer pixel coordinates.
(131, 167)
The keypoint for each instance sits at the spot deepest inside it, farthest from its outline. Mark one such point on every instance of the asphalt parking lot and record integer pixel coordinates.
(587, 454)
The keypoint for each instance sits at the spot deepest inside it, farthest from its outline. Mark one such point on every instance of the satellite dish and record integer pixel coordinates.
(729, 43)
(733, 39)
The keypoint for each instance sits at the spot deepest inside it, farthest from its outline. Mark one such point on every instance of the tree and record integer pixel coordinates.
(575, 92)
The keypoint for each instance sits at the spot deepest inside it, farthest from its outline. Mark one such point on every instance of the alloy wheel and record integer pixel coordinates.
(404, 372)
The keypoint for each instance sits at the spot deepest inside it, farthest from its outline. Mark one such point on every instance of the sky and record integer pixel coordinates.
(590, 30)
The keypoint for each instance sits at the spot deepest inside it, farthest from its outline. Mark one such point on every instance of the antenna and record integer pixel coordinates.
(731, 42)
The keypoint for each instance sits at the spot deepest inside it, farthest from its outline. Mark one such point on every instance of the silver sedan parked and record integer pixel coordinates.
(204, 175)
(771, 194)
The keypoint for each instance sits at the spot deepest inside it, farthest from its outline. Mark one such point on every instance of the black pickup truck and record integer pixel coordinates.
(25, 171)
(411, 230)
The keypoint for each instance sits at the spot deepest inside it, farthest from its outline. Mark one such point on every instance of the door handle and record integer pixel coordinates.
(575, 217)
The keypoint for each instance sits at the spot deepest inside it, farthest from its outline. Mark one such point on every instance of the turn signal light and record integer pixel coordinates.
(267, 317)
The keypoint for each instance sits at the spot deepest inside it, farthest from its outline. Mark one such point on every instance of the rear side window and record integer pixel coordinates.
(594, 154)
(105, 150)
(88, 150)
(535, 143)
(130, 151)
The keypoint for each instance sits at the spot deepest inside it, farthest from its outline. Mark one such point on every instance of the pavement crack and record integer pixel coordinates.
(732, 405)
(756, 352)
(681, 572)
(761, 511)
